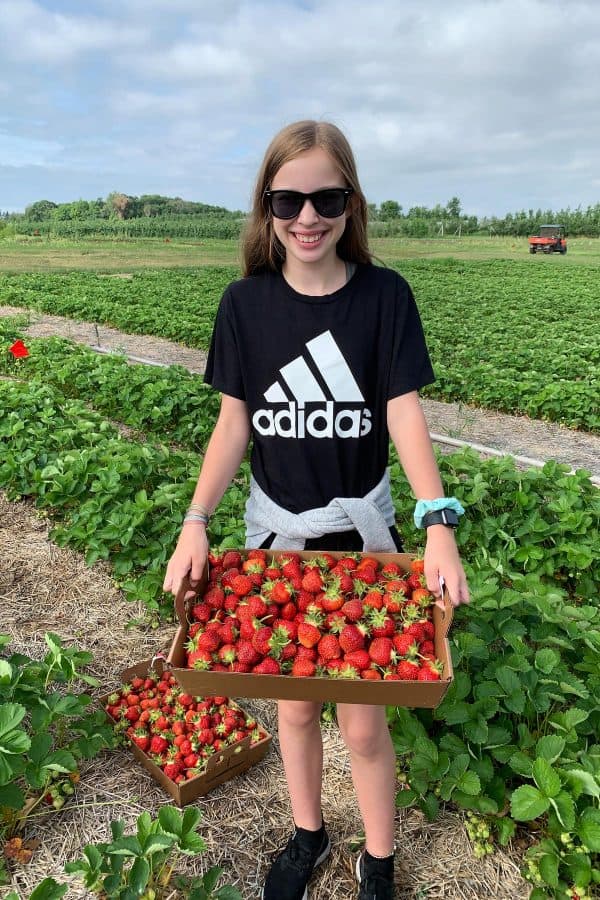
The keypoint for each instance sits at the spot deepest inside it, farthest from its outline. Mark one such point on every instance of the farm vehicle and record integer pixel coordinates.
(551, 239)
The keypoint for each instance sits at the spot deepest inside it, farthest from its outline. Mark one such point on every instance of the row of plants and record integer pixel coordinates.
(525, 334)
(168, 404)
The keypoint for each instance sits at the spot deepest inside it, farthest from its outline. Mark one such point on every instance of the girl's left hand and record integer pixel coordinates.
(442, 560)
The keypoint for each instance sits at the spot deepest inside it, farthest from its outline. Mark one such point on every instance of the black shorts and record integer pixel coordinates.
(339, 540)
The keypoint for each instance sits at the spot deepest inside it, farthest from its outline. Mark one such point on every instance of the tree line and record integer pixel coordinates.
(155, 215)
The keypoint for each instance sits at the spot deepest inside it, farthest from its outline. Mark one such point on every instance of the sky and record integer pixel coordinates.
(496, 102)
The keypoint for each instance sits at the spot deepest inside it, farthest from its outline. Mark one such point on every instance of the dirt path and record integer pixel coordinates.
(516, 435)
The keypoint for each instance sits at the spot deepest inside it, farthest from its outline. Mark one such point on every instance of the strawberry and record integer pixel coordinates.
(257, 554)
(260, 640)
(267, 666)
(353, 610)
(426, 673)
(382, 625)
(408, 671)
(373, 598)
(351, 638)
(199, 659)
(312, 580)
(253, 566)
(360, 659)
(390, 570)
(214, 598)
(380, 650)
(416, 630)
(247, 654)
(417, 566)
(209, 641)
(281, 592)
(427, 647)
(421, 597)
(415, 580)
(158, 744)
(231, 559)
(288, 611)
(303, 668)
(371, 675)
(429, 630)
(329, 647)
(141, 739)
(172, 770)
(227, 654)
(405, 645)
(257, 606)
(308, 634)
(241, 585)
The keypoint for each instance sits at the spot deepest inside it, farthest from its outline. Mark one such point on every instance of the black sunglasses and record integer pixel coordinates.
(328, 202)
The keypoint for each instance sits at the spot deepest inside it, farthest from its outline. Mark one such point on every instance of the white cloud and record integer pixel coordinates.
(494, 101)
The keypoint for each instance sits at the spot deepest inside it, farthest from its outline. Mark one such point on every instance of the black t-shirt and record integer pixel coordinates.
(316, 374)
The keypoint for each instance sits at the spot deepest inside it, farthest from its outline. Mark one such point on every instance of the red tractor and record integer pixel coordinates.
(551, 239)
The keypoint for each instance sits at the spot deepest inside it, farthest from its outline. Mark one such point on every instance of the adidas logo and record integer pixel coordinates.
(328, 381)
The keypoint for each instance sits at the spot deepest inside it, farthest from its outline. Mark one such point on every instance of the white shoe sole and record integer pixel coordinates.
(318, 862)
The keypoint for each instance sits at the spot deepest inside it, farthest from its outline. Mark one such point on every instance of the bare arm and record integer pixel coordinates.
(225, 451)
(410, 435)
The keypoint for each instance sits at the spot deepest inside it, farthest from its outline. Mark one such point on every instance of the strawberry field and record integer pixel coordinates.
(514, 745)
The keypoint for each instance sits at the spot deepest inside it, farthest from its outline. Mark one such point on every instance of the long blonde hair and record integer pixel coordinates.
(261, 249)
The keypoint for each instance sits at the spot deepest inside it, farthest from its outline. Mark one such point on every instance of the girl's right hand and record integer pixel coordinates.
(189, 558)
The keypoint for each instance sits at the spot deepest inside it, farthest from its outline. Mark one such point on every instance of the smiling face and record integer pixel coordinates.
(309, 238)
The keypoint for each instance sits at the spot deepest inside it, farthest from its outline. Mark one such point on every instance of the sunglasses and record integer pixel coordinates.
(329, 202)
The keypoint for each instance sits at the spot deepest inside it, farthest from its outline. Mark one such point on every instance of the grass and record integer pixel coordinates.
(29, 254)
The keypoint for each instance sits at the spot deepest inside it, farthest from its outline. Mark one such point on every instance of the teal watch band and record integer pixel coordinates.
(426, 506)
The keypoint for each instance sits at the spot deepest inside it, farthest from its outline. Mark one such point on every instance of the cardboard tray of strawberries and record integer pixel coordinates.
(214, 760)
(405, 663)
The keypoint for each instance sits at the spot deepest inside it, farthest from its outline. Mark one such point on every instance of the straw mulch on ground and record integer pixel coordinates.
(244, 821)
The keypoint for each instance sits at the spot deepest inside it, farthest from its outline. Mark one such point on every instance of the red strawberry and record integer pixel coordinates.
(405, 645)
(408, 671)
(281, 592)
(308, 634)
(241, 585)
(351, 638)
(380, 651)
(417, 566)
(231, 559)
(391, 569)
(312, 580)
(199, 659)
(426, 673)
(429, 630)
(303, 668)
(329, 647)
(158, 744)
(141, 738)
(416, 630)
(260, 640)
(360, 659)
(247, 654)
(214, 598)
(267, 666)
(353, 610)
(382, 625)
(373, 598)
(209, 641)
(370, 675)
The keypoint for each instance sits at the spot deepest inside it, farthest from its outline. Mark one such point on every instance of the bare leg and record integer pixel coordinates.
(365, 733)
(302, 754)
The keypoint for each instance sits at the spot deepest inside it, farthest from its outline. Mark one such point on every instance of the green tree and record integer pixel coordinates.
(389, 209)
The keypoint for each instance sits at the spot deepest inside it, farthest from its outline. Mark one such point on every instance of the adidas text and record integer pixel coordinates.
(296, 422)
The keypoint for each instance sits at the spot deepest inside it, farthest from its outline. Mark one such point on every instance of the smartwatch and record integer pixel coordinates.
(440, 517)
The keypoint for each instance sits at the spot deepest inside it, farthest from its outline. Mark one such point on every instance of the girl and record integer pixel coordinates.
(319, 355)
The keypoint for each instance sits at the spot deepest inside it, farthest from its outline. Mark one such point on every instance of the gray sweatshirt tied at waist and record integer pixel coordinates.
(371, 515)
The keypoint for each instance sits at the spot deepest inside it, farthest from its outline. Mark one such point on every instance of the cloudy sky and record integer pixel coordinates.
(494, 101)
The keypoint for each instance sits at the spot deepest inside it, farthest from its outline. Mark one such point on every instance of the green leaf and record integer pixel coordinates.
(11, 716)
(40, 747)
(546, 660)
(170, 820)
(565, 810)
(585, 780)
(405, 798)
(546, 778)
(469, 783)
(588, 829)
(49, 889)
(126, 846)
(550, 747)
(506, 829)
(430, 806)
(521, 764)
(5, 672)
(548, 864)
(11, 796)
(527, 803)
(139, 875)
(154, 843)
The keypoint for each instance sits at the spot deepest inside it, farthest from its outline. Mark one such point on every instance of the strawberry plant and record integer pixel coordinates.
(44, 735)
(142, 864)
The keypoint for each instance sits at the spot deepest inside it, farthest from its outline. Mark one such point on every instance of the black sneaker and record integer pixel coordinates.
(375, 877)
(291, 870)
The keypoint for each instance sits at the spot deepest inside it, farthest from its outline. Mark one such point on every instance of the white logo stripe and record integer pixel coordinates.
(334, 369)
(275, 394)
(302, 382)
